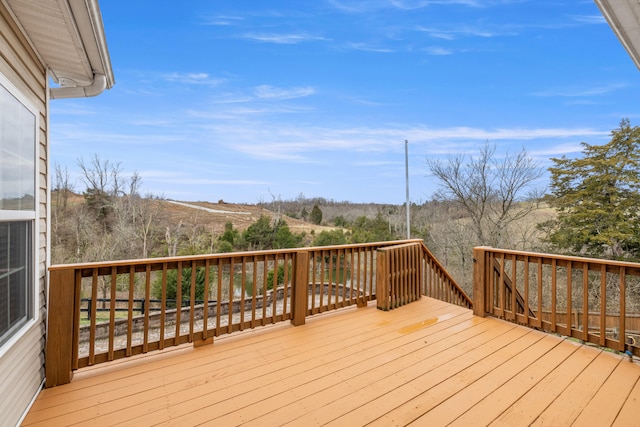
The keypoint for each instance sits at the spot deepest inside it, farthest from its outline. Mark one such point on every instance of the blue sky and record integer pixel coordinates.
(245, 100)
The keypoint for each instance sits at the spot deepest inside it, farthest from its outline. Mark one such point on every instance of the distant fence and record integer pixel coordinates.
(140, 305)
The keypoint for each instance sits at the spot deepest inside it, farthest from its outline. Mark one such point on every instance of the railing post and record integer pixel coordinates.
(60, 313)
(382, 279)
(300, 288)
(480, 269)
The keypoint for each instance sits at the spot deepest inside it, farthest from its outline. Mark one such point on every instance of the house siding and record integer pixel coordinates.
(22, 366)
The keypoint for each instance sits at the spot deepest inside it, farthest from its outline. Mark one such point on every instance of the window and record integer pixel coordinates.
(16, 292)
(18, 127)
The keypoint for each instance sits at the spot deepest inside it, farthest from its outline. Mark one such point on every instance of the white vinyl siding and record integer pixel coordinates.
(22, 354)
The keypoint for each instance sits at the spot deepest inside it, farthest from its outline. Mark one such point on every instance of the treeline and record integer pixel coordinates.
(109, 219)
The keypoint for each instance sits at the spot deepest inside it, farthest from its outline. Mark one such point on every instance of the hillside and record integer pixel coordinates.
(214, 216)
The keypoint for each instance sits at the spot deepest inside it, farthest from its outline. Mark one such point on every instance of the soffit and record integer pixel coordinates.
(624, 18)
(68, 35)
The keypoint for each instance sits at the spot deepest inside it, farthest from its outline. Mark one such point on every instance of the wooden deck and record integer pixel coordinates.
(427, 363)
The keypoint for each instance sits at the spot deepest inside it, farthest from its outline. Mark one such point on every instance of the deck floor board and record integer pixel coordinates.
(427, 363)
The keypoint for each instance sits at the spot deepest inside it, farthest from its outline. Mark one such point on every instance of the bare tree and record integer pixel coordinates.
(100, 175)
(490, 190)
(62, 187)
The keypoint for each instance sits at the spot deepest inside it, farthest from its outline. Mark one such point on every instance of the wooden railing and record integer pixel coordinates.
(220, 294)
(409, 270)
(554, 292)
(438, 284)
(399, 275)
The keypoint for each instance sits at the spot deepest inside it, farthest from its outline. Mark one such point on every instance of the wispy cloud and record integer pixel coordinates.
(194, 78)
(462, 31)
(272, 92)
(306, 144)
(438, 51)
(557, 150)
(294, 38)
(363, 6)
(222, 20)
(581, 92)
(367, 47)
(589, 19)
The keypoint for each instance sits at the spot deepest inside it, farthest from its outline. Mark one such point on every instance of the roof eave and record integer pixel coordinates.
(623, 17)
(69, 39)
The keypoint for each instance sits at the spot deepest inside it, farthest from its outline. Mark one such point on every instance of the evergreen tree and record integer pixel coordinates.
(366, 230)
(172, 285)
(230, 235)
(262, 235)
(330, 238)
(284, 238)
(597, 197)
(259, 235)
(316, 215)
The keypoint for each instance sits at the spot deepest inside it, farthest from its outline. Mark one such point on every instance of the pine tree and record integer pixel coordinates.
(597, 197)
(316, 215)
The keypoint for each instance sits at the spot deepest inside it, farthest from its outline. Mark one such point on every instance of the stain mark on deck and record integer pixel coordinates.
(417, 326)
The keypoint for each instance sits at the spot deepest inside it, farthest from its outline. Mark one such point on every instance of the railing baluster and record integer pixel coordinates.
(219, 298)
(254, 298)
(585, 302)
(527, 318)
(622, 335)
(264, 291)
(286, 290)
(243, 277)
(372, 255)
(514, 288)
(232, 291)
(77, 292)
(92, 326)
(554, 289)
(401, 273)
(603, 305)
(112, 313)
(490, 272)
(569, 297)
(130, 302)
(192, 300)
(339, 297)
(274, 286)
(331, 274)
(360, 294)
(205, 307)
(176, 338)
(163, 304)
(540, 282)
(351, 276)
(147, 298)
(313, 279)
(502, 287)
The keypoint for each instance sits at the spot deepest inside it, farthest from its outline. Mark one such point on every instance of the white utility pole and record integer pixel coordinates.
(406, 164)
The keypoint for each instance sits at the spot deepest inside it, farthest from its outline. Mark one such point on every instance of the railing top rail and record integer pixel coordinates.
(595, 261)
(401, 245)
(145, 261)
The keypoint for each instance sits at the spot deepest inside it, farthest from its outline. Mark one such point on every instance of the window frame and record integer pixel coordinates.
(32, 216)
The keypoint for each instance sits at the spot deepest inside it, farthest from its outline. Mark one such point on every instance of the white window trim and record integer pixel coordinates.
(25, 216)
